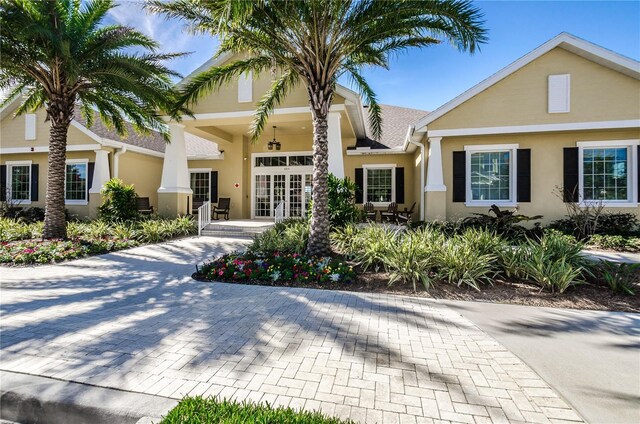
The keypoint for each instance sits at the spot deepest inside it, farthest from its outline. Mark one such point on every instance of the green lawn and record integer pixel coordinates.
(197, 410)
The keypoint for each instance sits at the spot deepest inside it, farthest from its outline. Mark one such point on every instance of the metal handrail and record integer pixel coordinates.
(204, 216)
(279, 212)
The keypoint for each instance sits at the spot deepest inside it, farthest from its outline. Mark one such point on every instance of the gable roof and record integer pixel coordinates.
(395, 121)
(353, 104)
(195, 146)
(569, 42)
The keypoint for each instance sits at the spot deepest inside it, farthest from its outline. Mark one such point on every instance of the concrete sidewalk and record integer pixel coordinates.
(608, 255)
(592, 358)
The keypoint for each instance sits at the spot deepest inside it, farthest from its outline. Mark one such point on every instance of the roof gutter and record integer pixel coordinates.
(116, 160)
(409, 140)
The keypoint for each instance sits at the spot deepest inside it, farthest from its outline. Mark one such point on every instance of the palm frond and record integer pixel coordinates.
(272, 98)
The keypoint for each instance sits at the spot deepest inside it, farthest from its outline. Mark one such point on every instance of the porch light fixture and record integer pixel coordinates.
(274, 142)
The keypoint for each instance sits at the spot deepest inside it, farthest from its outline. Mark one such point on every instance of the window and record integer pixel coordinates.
(19, 176)
(607, 172)
(75, 190)
(491, 175)
(200, 184)
(302, 160)
(271, 161)
(379, 184)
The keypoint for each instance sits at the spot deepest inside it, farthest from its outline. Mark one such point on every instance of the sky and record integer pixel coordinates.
(427, 78)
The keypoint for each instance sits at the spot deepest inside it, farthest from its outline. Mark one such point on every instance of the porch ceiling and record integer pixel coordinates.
(225, 128)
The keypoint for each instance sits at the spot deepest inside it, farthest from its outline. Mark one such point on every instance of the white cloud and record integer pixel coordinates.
(171, 35)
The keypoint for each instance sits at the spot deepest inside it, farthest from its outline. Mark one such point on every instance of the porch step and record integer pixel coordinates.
(240, 229)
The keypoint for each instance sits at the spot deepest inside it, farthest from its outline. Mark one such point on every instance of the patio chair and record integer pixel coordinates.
(195, 205)
(391, 215)
(144, 206)
(405, 215)
(370, 213)
(224, 204)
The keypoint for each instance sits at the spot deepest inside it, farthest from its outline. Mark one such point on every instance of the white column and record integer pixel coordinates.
(336, 161)
(100, 171)
(435, 177)
(175, 170)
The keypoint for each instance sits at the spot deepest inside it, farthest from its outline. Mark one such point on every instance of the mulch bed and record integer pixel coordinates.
(585, 296)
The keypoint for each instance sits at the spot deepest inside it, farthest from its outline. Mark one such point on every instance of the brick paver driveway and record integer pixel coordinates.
(135, 321)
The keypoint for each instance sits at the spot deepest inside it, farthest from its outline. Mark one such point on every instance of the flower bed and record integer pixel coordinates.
(276, 268)
(20, 242)
(48, 251)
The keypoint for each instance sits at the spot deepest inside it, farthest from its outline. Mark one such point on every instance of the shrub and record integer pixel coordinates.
(621, 243)
(622, 224)
(277, 267)
(372, 244)
(459, 262)
(119, 202)
(289, 236)
(344, 239)
(503, 222)
(555, 262)
(410, 260)
(212, 410)
(620, 276)
(12, 230)
(342, 208)
(152, 231)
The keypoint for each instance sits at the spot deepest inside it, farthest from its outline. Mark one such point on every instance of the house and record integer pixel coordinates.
(565, 115)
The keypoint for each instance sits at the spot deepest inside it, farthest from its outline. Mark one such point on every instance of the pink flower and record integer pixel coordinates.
(221, 273)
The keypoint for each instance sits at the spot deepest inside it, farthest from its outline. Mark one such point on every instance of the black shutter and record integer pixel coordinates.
(570, 169)
(523, 180)
(91, 167)
(214, 187)
(3, 182)
(359, 185)
(399, 185)
(34, 182)
(638, 167)
(459, 176)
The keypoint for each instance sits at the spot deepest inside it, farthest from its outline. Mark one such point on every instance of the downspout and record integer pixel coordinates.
(116, 160)
(422, 168)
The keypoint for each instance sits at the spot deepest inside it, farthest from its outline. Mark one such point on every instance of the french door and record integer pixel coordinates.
(294, 189)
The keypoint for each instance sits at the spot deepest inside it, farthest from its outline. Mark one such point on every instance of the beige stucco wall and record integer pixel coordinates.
(406, 161)
(225, 99)
(144, 172)
(597, 94)
(12, 131)
(78, 211)
(546, 168)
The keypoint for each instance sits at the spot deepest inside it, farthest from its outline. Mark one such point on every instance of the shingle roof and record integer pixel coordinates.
(395, 123)
(152, 141)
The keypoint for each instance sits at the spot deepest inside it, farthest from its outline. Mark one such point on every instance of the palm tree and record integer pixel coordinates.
(314, 42)
(56, 55)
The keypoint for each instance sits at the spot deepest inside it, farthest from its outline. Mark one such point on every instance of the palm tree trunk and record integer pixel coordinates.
(320, 227)
(55, 224)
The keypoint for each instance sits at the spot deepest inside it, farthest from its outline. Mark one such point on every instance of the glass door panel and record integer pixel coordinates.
(295, 195)
(263, 195)
(279, 189)
(307, 192)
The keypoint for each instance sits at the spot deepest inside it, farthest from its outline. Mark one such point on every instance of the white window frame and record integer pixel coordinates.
(513, 173)
(392, 167)
(74, 202)
(201, 171)
(11, 164)
(632, 172)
